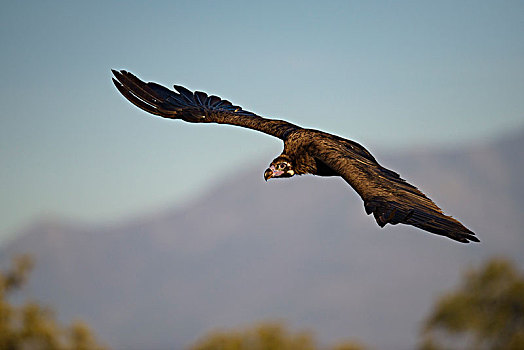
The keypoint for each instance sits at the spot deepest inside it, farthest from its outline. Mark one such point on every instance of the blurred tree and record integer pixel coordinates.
(266, 336)
(32, 326)
(485, 312)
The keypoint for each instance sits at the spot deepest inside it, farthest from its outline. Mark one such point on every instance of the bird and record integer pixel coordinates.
(390, 198)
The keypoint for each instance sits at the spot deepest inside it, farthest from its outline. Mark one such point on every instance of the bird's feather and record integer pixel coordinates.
(387, 196)
(194, 107)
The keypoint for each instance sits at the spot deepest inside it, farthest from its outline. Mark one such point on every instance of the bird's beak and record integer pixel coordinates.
(272, 172)
(268, 174)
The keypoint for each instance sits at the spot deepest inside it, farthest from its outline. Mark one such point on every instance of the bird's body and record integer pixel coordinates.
(390, 198)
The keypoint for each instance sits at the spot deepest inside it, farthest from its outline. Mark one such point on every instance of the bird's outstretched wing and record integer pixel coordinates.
(194, 107)
(390, 198)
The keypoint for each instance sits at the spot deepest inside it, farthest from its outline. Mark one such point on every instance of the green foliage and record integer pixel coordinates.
(485, 312)
(267, 336)
(349, 345)
(32, 326)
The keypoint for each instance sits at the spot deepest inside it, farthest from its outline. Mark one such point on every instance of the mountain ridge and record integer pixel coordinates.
(302, 250)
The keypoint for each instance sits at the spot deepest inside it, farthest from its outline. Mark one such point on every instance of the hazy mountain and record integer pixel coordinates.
(300, 250)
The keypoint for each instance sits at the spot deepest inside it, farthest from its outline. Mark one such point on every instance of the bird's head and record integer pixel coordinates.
(280, 167)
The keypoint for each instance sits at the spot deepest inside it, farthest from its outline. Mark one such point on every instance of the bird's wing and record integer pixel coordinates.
(390, 198)
(194, 107)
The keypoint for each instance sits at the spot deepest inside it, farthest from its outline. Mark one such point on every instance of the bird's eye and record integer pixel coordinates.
(282, 165)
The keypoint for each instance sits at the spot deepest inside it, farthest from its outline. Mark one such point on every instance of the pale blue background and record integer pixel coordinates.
(388, 74)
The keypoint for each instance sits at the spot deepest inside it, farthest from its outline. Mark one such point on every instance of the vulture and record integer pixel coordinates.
(387, 196)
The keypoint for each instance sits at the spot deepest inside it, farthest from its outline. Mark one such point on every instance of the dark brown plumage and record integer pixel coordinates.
(389, 197)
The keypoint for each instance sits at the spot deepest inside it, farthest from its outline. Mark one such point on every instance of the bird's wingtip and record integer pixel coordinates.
(467, 237)
(474, 239)
(119, 72)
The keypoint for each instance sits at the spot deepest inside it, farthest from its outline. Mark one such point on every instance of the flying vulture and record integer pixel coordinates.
(389, 197)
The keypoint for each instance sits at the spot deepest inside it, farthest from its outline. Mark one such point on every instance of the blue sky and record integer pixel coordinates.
(388, 74)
